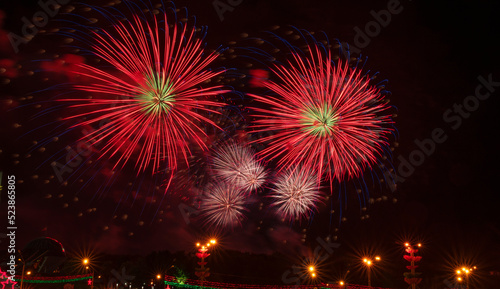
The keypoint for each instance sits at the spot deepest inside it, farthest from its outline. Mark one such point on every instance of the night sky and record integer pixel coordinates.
(435, 54)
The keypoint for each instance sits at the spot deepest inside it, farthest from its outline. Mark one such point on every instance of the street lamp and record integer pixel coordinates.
(159, 281)
(369, 263)
(466, 272)
(86, 263)
(412, 277)
(312, 271)
(203, 271)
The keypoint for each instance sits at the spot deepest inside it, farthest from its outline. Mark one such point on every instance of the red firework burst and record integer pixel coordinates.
(153, 98)
(325, 116)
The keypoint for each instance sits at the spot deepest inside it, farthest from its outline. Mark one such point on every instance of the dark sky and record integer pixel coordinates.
(434, 53)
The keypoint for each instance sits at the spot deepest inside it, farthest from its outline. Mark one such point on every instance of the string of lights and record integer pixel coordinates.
(53, 280)
(196, 284)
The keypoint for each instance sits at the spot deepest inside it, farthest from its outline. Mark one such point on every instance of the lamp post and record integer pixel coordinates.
(343, 281)
(203, 272)
(86, 263)
(467, 278)
(158, 278)
(412, 277)
(369, 263)
(21, 258)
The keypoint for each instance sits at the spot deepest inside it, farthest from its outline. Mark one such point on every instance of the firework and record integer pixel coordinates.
(197, 173)
(153, 99)
(295, 193)
(223, 205)
(237, 165)
(326, 116)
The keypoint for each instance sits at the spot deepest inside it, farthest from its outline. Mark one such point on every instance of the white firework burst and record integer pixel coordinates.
(296, 193)
(236, 164)
(223, 205)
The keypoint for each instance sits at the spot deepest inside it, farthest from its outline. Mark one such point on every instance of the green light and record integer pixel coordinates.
(188, 286)
(157, 97)
(320, 120)
(52, 281)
